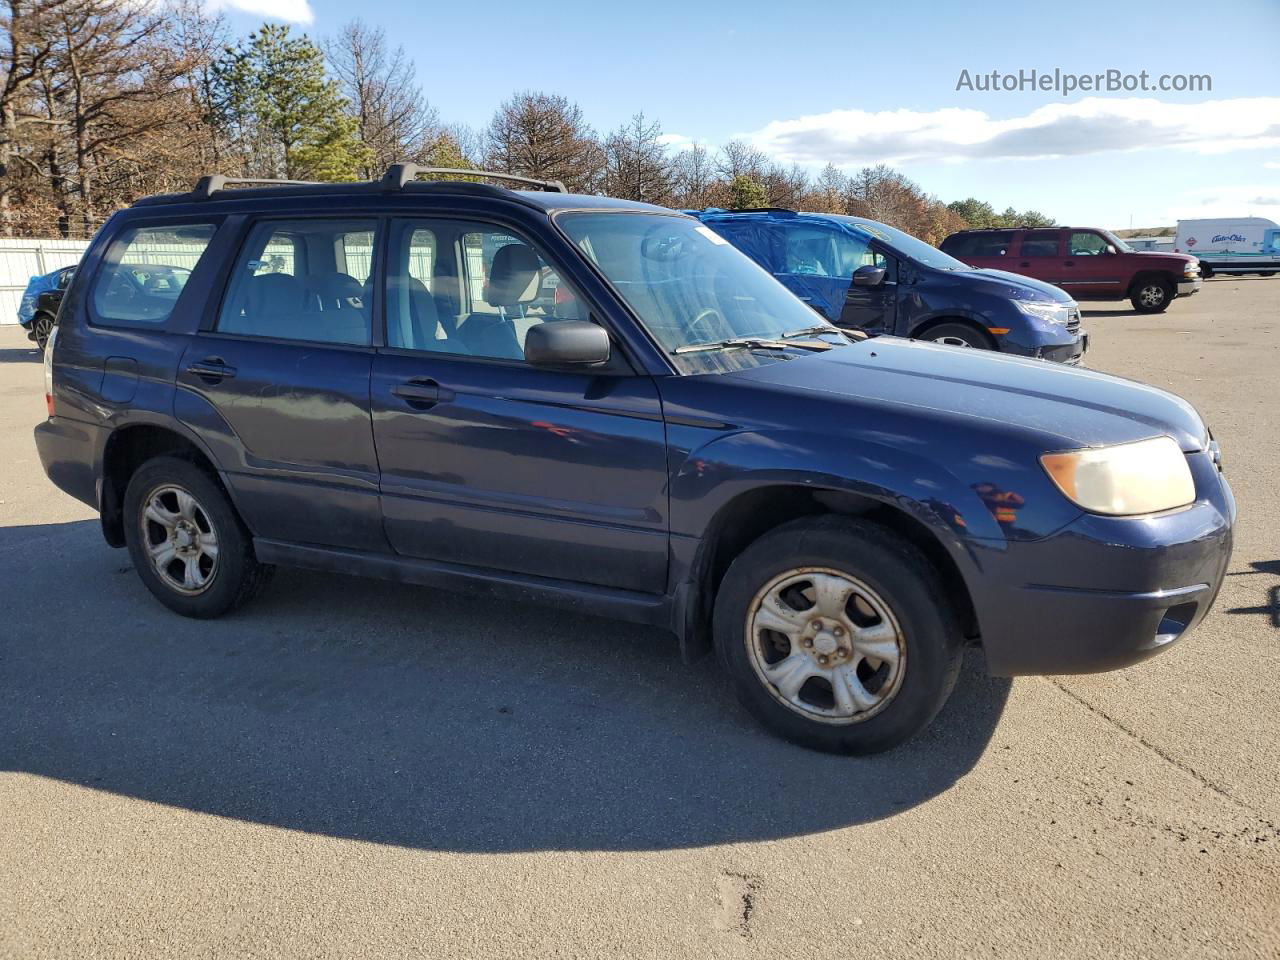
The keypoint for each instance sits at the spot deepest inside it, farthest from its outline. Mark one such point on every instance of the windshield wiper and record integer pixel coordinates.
(753, 343)
(825, 328)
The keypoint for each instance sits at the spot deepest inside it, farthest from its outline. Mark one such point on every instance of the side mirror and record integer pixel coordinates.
(562, 343)
(1111, 249)
(868, 276)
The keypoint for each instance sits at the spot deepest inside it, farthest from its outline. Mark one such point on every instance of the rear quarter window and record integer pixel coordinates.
(144, 271)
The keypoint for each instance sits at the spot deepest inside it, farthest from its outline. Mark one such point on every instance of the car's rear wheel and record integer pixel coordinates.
(836, 634)
(41, 327)
(959, 335)
(186, 541)
(1152, 296)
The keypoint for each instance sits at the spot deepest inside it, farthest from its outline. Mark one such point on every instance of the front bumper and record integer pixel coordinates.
(1187, 287)
(1106, 592)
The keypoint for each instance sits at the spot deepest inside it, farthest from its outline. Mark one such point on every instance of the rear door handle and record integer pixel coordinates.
(212, 368)
(422, 394)
(1025, 263)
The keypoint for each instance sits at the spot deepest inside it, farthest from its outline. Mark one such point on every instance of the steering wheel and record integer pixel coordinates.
(701, 322)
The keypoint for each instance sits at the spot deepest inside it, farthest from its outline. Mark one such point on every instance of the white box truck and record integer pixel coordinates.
(1231, 245)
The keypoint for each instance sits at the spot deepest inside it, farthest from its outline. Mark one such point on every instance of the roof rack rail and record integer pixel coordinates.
(762, 210)
(213, 183)
(398, 175)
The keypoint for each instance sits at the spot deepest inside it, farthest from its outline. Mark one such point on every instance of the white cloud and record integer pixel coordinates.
(1235, 200)
(1272, 165)
(291, 11)
(676, 141)
(1092, 125)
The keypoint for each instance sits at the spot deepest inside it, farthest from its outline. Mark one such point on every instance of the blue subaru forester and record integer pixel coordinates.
(605, 405)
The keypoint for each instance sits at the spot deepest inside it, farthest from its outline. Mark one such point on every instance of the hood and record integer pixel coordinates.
(1066, 406)
(1015, 286)
(1154, 255)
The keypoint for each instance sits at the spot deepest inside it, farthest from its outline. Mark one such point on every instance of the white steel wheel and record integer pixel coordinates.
(825, 645)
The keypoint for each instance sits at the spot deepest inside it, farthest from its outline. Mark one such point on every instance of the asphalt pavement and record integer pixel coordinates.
(351, 768)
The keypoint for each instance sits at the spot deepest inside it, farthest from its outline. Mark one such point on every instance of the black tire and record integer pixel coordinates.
(909, 588)
(1269, 273)
(959, 335)
(41, 327)
(234, 577)
(1152, 295)
(1206, 271)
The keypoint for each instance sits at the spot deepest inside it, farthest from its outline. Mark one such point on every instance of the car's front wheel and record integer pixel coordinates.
(959, 335)
(1152, 296)
(41, 328)
(186, 541)
(837, 635)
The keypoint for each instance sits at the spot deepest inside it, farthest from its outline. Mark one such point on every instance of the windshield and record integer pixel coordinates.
(909, 246)
(1116, 242)
(686, 283)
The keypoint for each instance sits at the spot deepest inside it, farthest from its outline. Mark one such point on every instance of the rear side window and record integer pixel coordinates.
(1040, 243)
(145, 270)
(302, 280)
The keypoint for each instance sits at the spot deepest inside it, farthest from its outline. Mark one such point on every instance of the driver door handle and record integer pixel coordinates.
(422, 393)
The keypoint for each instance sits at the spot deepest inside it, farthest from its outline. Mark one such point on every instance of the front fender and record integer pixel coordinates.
(893, 470)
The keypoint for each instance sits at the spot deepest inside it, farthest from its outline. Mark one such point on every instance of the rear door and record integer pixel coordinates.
(489, 462)
(1040, 255)
(1092, 267)
(276, 382)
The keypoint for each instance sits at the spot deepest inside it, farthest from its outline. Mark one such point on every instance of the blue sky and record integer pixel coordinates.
(857, 83)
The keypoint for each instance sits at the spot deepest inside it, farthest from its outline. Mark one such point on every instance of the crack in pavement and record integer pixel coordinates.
(1162, 754)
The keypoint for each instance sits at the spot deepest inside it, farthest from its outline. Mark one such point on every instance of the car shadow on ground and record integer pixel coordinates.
(21, 355)
(1271, 608)
(380, 712)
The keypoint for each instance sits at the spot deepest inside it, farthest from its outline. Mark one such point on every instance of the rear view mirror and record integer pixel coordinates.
(868, 276)
(558, 343)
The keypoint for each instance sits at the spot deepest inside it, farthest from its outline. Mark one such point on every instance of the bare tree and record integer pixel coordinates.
(543, 135)
(29, 29)
(695, 179)
(636, 163)
(392, 116)
(738, 159)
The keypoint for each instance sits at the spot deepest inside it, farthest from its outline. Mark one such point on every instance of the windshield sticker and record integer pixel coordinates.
(711, 235)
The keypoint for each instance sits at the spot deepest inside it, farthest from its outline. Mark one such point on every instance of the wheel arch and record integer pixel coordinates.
(753, 513)
(925, 326)
(126, 449)
(1144, 276)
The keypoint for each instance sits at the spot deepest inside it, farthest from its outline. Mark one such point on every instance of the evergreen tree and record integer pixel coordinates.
(287, 115)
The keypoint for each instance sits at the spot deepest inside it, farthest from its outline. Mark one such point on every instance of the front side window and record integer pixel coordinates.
(1040, 243)
(470, 289)
(686, 284)
(145, 270)
(1085, 243)
(302, 280)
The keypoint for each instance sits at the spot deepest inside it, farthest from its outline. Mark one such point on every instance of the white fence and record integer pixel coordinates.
(20, 260)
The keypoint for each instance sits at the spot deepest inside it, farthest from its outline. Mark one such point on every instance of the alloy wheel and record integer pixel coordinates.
(179, 539)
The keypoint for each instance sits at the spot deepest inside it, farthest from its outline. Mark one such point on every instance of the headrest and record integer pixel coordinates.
(513, 276)
(273, 293)
(335, 290)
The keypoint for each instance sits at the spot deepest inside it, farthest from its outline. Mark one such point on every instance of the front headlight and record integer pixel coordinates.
(1190, 269)
(1124, 480)
(1048, 311)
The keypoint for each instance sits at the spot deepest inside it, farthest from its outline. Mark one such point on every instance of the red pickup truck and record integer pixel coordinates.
(1088, 263)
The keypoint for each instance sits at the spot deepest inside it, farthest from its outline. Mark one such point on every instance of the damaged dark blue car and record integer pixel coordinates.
(605, 405)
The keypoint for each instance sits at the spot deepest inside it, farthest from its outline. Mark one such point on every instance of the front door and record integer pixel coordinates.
(489, 462)
(1092, 267)
(817, 264)
(279, 387)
